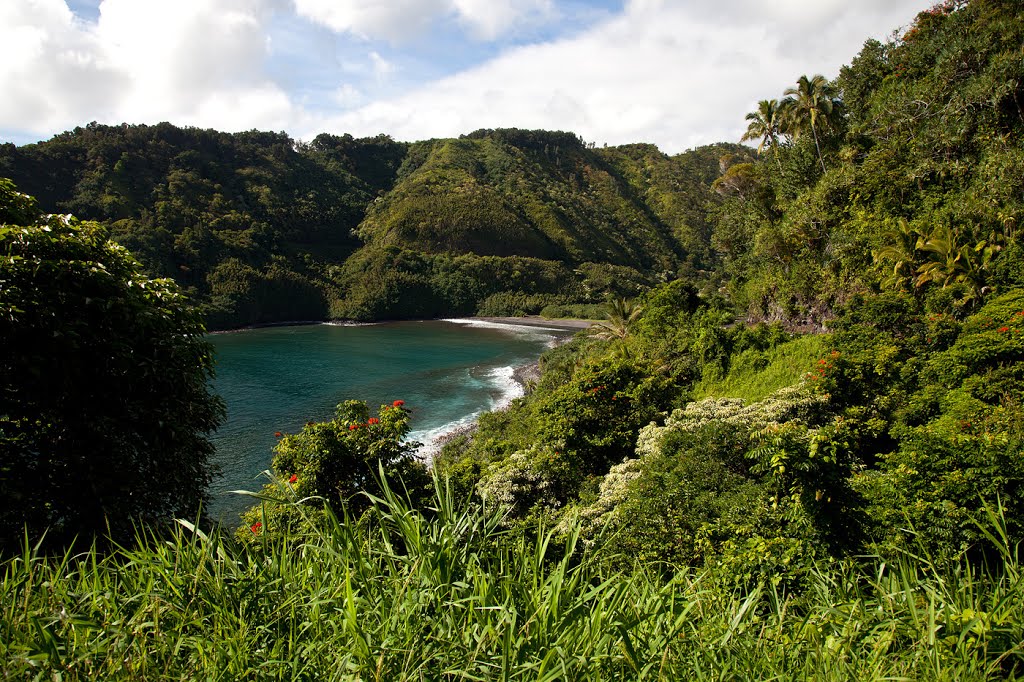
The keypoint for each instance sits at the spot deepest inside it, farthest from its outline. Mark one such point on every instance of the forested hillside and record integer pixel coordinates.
(904, 173)
(883, 208)
(244, 221)
(263, 228)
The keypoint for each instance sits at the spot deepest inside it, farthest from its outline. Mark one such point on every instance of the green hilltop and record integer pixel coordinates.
(264, 229)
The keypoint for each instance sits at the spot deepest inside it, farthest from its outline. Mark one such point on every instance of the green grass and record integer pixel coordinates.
(450, 595)
(754, 375)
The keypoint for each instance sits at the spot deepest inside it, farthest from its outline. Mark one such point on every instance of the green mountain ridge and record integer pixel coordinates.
(262, 228)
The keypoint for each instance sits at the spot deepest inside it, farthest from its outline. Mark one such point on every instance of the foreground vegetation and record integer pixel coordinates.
(444, 592)
(105, 402)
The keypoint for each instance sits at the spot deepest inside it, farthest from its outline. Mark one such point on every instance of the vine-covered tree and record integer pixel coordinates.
(104, 396)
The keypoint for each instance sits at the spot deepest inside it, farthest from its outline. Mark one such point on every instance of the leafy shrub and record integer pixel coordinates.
(106, 402)
(337, 463)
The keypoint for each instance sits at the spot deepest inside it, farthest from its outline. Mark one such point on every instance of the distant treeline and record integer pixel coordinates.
(263, 228)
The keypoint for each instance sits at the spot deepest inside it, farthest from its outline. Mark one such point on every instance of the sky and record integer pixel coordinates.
(676, 73)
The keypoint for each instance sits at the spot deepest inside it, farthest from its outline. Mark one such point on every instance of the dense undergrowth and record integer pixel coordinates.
(445, 592)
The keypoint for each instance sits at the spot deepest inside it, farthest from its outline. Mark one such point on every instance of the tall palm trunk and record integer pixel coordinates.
(817, 145)
(775, 152)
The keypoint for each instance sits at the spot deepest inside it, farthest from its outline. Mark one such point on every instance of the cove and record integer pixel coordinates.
(278, 378)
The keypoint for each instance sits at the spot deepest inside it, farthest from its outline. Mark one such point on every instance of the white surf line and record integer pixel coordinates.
(505, 325)
(432, 440)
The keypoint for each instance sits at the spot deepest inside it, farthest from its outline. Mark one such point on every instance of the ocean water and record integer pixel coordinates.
(277, 379)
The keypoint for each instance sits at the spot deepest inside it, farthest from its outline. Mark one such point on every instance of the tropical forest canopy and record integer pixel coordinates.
(262, 228)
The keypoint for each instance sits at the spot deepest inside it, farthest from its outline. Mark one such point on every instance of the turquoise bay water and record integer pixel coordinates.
(277, 379)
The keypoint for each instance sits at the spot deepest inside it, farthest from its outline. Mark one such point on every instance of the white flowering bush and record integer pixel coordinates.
(794, 403)
(522, 481)
(614, 490)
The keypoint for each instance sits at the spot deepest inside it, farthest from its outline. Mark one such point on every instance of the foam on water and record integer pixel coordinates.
(505, 389)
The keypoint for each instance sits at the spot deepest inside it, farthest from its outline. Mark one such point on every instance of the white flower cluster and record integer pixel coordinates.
(788, 404)
(614, 491)
(514, 480)
(795, 403)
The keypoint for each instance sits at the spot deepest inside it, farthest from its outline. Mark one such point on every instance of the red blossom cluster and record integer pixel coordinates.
(256, 527)
(398, 403)
(293, 478)
(277, 434)
(824, 365)
(926, 19)
(369, 422)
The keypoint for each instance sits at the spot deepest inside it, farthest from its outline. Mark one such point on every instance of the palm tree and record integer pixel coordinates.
(952, 259)
(620, 315)
(902, 243)
(765, 126)
(812, 103)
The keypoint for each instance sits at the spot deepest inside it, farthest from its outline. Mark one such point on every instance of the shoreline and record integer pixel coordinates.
(566, 323)
(523, 375)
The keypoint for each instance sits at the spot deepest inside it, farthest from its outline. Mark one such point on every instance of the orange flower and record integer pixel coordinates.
(398, 403)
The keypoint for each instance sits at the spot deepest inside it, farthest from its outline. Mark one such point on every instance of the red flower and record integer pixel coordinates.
(353, 427)
(1004, 329)
(293, 478)
(256, 527)
(373, 420)
(398, 403)
(277, 434)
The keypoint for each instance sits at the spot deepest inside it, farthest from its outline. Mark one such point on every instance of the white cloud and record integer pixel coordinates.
(676, 75)
(347, 95)
(487, 19)
(398, 20)
(382, 68)
(393, 20)
(197, 62)
(52, 66)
